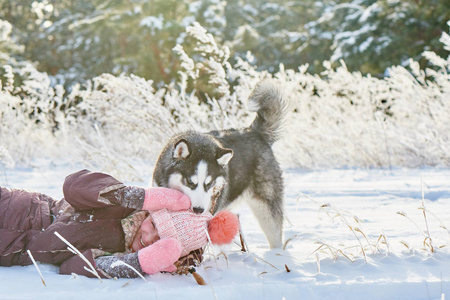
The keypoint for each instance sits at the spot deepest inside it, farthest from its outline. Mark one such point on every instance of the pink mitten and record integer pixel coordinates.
(170, 269)
(158, 198)
(160, 256)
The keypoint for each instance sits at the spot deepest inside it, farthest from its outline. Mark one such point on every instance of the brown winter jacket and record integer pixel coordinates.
(87, 217)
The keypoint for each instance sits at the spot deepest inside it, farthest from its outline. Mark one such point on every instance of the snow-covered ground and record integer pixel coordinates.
(345, 240)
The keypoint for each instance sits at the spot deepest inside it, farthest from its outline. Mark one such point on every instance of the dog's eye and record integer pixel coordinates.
(208, 185)
(189, 183)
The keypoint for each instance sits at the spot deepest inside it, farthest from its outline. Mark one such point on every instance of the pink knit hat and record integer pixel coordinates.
(190, 229)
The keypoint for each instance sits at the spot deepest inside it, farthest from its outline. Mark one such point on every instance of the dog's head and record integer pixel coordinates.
(195, 164)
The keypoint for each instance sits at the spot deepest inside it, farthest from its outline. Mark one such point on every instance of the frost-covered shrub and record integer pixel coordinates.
(27, 115)
(345, 119)
(28, 105)
(336, 119)
(125, 114)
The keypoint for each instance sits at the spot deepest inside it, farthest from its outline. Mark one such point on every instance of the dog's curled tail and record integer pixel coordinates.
(267, 101)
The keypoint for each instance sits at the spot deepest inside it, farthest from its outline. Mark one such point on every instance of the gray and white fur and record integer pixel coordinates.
(234, 162)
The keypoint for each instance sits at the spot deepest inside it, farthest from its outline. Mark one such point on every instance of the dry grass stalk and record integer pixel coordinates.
(334, 252)
(318, 263)
(262, 273)
(344, 216)
(119, 262)
(73, 249)
(241, 238)
(210, 248)
(210, 252)
(287, 268)
(199, 278)
(216, 194)
(403, 214)
(353, 223)
(37, 268)
(428, 238)
(330, 248)
(344, 255)
(367, 240)
(441, 224)
(212, 288)
(226, 258)
(244, 247)
(427, 242)
(263, 260)
(405, 244)
(288, 240)
(360, 244)
(382, 239)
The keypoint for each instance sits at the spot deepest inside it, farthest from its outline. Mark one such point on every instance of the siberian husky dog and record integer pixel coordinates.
(237, 163)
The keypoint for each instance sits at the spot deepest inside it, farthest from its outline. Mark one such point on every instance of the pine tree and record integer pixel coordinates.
(372, 35)
(75, 40)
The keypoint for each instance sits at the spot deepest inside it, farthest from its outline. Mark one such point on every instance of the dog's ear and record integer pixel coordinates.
(223, 156)
(181, 149)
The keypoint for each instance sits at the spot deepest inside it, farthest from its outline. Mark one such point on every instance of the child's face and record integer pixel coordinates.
(146, 235)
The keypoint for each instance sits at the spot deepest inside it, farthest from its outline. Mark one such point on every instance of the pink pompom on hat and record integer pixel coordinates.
(190, 229)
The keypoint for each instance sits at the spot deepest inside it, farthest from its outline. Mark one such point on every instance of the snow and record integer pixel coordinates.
(366, 44)
(153, 22)
(445, 39)
(345, 38)
(5, 30)
(324, 209)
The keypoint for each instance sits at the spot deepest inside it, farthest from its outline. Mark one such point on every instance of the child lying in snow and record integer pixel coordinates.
(149, 229)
